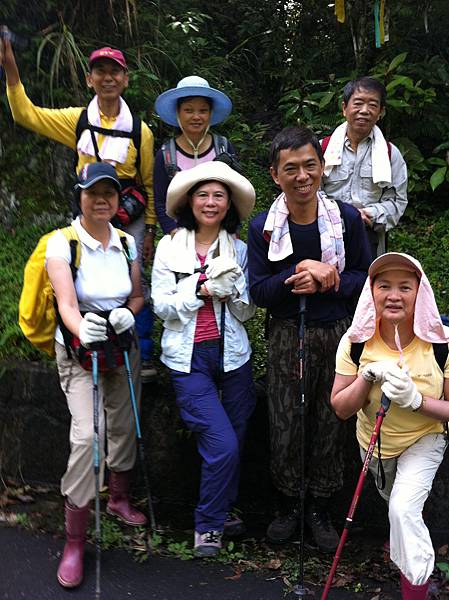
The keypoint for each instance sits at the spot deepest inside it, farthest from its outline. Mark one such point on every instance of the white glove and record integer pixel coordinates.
(375, 372)
(401, 390)
(92, 329)
(220, 265)
(223, 285)
(121, 319)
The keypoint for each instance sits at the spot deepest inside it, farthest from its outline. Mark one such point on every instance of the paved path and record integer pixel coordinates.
(28, 564)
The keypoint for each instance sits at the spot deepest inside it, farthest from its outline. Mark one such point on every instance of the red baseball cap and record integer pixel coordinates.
(111, 53)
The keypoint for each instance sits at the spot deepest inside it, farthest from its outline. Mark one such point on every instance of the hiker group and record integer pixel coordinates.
(371, 322)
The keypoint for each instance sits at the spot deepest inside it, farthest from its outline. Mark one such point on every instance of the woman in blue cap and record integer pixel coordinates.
(192, 106)
(94, 308)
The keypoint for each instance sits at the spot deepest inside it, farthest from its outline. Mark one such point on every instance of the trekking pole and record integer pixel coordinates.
(300, 589)
(384, 406)
(221, 359)
(139, 439)
(97, 474)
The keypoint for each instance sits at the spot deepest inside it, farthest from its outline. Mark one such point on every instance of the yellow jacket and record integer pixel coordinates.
(59, 124)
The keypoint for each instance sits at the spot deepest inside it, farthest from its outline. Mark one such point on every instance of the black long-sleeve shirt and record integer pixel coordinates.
(266, 278)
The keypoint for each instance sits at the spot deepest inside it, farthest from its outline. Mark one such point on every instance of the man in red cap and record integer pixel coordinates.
(111, 53)
(108, 77)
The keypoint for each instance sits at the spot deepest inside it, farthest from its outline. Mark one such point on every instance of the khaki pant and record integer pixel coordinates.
(78, 482)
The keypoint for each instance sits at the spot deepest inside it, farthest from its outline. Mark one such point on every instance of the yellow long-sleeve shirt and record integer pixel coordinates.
(59, 124)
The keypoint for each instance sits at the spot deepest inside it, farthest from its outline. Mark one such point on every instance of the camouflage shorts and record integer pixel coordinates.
(325, 432)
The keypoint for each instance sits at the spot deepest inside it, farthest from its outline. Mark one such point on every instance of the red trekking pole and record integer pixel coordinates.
(384, 406)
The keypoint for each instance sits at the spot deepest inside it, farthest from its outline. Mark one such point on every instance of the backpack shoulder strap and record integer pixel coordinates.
(389, 150)
(75, 248)
(441, 352)
(137, 137)
(168, 149)
(325, 143)
(125, 247)
(81, 125)
(356, 352)
(135, 134)
(221, 144)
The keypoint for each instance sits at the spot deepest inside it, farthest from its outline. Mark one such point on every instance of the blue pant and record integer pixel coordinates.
(219, 426)
(144, 328)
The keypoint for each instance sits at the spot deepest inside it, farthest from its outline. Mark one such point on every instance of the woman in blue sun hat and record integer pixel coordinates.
(193, 106)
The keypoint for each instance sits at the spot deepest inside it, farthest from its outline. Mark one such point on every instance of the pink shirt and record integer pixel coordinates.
(186, 162)
(206, 324)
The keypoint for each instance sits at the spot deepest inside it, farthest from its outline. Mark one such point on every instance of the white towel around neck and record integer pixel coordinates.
(380, 160)
(113, 149)
(183, 254)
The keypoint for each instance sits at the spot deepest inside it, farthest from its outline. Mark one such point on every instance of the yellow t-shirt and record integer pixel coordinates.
(59, 124)
(401, 427)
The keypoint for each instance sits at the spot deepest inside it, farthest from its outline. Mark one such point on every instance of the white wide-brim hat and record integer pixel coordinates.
(166, 103)
(243, 195)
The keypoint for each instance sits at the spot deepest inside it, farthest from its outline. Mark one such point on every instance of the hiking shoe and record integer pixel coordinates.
(281, 529)
(233, 525)
(148, 371)
(321, 529)
(207, 543)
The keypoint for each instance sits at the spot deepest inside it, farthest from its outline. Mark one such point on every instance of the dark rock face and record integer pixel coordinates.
(34, 444)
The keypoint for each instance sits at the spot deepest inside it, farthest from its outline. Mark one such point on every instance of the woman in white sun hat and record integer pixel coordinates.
(193, 106)
(200, 291)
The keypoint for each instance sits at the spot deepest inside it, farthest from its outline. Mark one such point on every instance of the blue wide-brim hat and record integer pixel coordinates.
(166, 103)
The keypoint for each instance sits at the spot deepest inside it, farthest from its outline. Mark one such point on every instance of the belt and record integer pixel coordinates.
(208, 343)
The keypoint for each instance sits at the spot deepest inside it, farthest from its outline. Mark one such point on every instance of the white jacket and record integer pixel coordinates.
(175, 302)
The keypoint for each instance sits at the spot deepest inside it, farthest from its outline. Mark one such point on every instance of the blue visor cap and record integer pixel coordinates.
(93, 172)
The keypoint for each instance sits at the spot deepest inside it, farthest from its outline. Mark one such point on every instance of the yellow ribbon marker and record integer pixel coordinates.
(340, 10)
(381, 21)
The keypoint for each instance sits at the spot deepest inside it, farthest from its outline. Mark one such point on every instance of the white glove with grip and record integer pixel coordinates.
(375, 372)
(401, 390)
(121, 319)
(223, 285)
(220, 265)
(92, 329)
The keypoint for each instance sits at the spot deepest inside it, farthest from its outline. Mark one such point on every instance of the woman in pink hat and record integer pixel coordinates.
(398, 346)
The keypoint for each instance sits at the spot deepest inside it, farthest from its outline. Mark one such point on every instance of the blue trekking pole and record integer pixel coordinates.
(139, 438)
(96, 449)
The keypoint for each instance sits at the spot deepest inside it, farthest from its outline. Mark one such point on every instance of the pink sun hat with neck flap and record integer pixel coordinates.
(427, 324)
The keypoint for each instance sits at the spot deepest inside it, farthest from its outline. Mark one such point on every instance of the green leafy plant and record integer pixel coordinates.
(443, 567)
(67, 56)
(22, 519)
(111, 534)
(181, 550)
